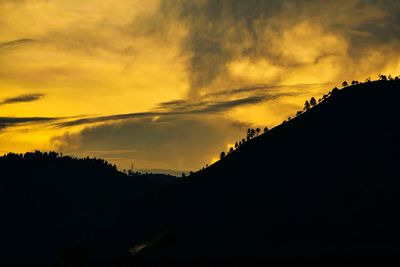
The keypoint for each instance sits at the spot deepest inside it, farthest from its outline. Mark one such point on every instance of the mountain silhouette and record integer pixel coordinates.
(322, 187)
(72, 212)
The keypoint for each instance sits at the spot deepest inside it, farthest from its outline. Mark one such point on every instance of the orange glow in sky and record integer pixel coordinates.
(168, 84)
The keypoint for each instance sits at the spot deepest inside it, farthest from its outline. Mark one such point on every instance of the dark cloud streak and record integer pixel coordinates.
(14, 121)
(177, 108)
(22, 99)
(15, 43)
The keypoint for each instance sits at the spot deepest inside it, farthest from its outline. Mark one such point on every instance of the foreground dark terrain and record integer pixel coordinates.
(322, 187)
(72, 212)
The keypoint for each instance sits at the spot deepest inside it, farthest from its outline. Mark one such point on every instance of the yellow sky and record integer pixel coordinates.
(70, 59)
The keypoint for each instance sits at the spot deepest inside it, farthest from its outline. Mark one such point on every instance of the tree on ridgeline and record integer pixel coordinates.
(354, 82)
(313, 102)
(345, 84)
(335, 90)
(236, 145)
(306, 105)
(258, 131)
(222, 154)
(253, 133)
(231, 150)
(265, 129)
(382, 77)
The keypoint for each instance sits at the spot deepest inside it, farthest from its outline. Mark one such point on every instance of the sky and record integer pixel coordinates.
(169, 84)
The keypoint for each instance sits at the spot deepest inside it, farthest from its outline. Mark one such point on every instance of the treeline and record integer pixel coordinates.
(52, 157)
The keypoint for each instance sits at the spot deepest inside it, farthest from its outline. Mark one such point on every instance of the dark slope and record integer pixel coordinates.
(64, 211)
(323, 186)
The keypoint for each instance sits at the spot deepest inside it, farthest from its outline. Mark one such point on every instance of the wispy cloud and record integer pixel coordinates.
(177, 108)
(15, 43)
(22, 99)
(13, 121)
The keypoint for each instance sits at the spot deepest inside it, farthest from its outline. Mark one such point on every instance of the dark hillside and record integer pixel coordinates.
(71, 211)
(324, 185)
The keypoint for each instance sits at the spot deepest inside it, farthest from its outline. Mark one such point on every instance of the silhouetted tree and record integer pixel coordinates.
(307, 105)
(368, 80)
(253, 133)
(390, 78)
(382, 77)
(354, 82)
(243, 141)
(248, 135)
(231, 150)
(236, 145)
(183, 175)
(313, 102)
(299, 113)
(265, 129)
(258, 131)
(345, 84)
(335, 91)
(222, 155)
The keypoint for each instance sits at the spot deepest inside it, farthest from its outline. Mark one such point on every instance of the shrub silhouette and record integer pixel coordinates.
(345, 84)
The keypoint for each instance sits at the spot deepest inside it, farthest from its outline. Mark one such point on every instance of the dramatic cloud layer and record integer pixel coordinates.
(177, 73)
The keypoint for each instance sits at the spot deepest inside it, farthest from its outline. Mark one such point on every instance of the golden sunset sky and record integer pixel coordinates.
(168, 84)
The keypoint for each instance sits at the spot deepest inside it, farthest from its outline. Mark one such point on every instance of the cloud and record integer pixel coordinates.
(234, 41)
(184, 108)
(169, 143)
(210, 104)
(22, 99)
(15, 43)
(13, 121)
